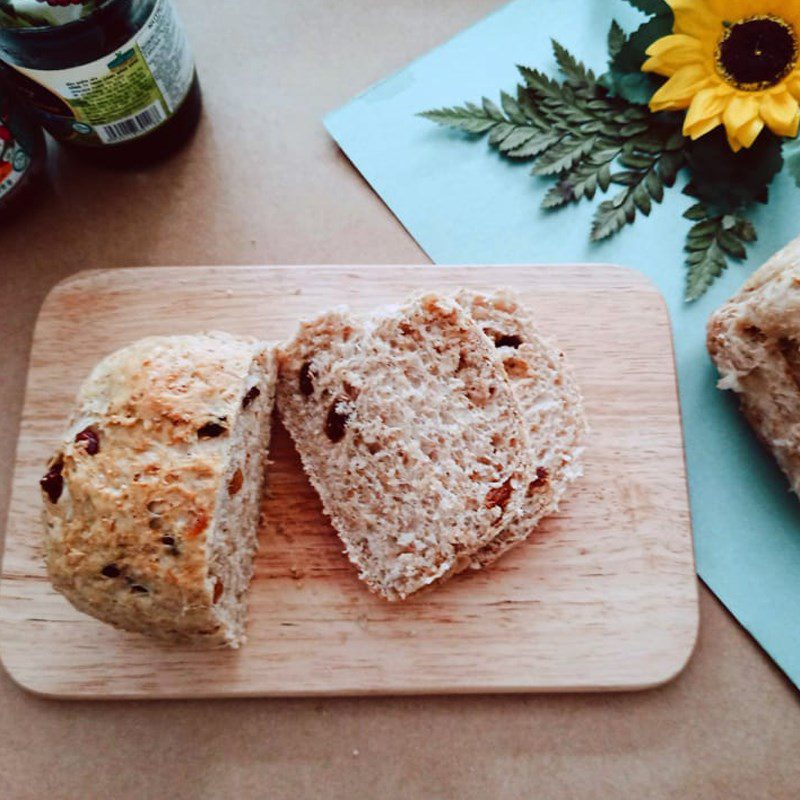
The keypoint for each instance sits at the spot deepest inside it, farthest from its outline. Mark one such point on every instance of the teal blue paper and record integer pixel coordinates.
(463, 204)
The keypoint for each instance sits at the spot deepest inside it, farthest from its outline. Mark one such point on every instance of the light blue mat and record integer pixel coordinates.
(463, 204)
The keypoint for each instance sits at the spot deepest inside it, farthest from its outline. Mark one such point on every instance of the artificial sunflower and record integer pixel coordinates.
(733, 63)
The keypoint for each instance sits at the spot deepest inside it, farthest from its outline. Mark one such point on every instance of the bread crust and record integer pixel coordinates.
(142, 467)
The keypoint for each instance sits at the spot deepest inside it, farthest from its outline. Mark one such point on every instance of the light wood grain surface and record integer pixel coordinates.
(263, 184)
(603, 595)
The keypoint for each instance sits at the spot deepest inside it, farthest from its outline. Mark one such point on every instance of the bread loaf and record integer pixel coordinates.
(754, 340)
(408, 429)
(152, 500)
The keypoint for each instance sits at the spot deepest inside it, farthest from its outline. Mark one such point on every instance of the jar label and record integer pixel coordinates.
(14, 160)
(122, 96)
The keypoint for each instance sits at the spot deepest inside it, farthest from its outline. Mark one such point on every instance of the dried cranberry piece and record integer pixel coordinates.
(92, 440)
(236, 481)
(171, 545)
(499, 496)
(211, 430)
(539, 482)
(218, 589)
(306, 380)
(53, 482)
(336, 421)
(507, 340)
(251, 395)
(199, 525)
(541, 477)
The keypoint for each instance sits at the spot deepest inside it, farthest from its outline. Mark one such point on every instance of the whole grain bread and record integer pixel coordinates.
(551, 405)
(409, 431)
(754, 340)
(153, 498)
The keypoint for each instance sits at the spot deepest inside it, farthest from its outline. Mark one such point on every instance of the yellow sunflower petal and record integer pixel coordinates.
(734, 144)
(741, 109)
(695, 18)
(654, 65)
(792, 84)
(781, 113)
(791, 13)
(749, 133)
(705, 104)
(702, 127)
(669, 53)
(732, 10)
(724, 7)
(679, 90)
(783, 9)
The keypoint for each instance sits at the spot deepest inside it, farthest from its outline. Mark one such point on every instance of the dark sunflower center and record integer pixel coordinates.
(757, 52)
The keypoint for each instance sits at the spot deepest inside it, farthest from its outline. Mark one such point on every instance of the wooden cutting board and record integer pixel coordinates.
(603, 596)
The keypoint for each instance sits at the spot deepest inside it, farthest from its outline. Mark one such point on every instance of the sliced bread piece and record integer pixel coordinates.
(754, 340)
(551, 404)
(152, 501)
(408, 430)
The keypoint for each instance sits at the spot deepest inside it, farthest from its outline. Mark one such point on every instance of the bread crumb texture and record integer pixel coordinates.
(411, 430)
(551, 405)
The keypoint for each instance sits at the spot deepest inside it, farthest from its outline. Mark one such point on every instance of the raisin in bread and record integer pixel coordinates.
(408, 429)
(152, 501)
(754, 340)
(550, 402)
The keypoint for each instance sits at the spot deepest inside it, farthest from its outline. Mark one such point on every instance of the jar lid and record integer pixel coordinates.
(40, 13)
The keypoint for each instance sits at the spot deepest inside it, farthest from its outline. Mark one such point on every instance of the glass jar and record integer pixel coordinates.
(22, 154)
(112, 78)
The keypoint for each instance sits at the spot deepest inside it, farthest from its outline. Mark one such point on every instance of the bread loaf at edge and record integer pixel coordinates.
(153, 498)
(754, 340)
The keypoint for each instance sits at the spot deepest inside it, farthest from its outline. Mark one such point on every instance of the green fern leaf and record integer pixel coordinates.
(518, 137)
(466, 118)
(655, 186)
(576, 72)
(696, 212)
(512, 109)
(636, 160)
(616, 39)
(563, 156)
(604, 177)
(586, 138)
(492, 111)
(500, 131)
(536, 145)
(703, 271)
(558, 195)
(711, 241)
(540, 83)
(612, 215)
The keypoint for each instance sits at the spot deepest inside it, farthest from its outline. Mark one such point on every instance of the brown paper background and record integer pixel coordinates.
(262, 183)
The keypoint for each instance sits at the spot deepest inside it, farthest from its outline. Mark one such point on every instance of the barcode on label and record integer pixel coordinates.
(132, 126)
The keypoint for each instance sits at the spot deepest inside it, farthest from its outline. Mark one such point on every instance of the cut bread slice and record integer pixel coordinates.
(408, 429)
(153, 499)
(550, 402)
